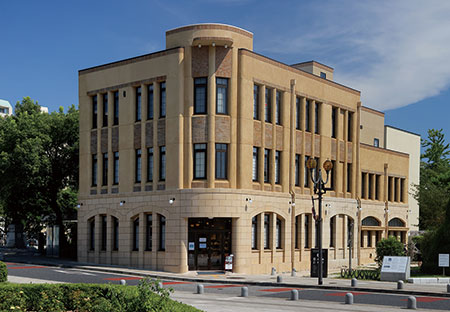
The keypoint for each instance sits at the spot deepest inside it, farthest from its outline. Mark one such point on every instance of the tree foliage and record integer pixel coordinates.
(434, 189)
(388, 247)
(38, 165)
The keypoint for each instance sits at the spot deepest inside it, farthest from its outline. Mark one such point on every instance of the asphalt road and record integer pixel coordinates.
(52, 274)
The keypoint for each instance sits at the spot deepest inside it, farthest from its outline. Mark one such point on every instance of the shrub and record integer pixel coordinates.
(389, 247)
(3, 272)
(88, 297)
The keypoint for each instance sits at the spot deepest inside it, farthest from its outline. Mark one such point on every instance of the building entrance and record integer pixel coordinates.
(209, 240)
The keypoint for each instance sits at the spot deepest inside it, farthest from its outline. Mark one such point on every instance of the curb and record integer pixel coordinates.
(237, 282)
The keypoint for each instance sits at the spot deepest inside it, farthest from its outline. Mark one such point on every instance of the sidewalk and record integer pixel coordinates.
(33, 257)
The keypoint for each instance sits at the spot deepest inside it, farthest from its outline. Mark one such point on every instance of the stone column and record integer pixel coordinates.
(366, 185)
(239, 243)
(372, 181)
(211, 163)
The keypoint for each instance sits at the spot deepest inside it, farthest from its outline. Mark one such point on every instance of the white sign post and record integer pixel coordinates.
(444, 262)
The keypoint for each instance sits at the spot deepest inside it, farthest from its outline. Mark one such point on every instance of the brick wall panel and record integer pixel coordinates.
(200, 60)
(115, 139)
(223, 129)
(223, 62)
(161, 132)
(268, 136)
(149, 134)
(94, 141)
(256, 133)
(137, 136)
(104, 141)
(199, 129)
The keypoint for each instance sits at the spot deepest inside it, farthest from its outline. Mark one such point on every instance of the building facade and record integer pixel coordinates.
(5, 108)
(199, 151)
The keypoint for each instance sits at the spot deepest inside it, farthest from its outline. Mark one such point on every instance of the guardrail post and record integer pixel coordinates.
(294, 294)
(448, 288)
(274, 271)
(123, 282)
(348, 298)
(412, 303)
(279, 279)
(244, 291)
(400, 285)
(354, 282)
(294, 272)
(200, 289)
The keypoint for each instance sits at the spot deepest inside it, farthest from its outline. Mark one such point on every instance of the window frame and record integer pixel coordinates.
(138, 166)
(148, 232)
(116, 108)
(162, 233)
(104, 233)
(94, 170)
(136, 234)
(266, 231)
(162, 163)
(200, 149)
(162, 99)
(268, 105)
(277, 167)
(266, 165)
(116, 168)
(279, 234)
(256, 102)
(150, 102)
(255, 164)
(203, 85)
(150, 164)
(221, 86)
(105, 169)
(278, 107)
(138, 104)
(115, 240)
(105, 110)
(92, 234)
(222, 157)
(255, 233)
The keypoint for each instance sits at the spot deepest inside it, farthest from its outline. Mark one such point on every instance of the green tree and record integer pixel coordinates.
(388, 247)
(434, 189)
(39, 166)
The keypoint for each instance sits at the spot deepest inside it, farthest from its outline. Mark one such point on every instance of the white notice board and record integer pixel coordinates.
(444, 260)
(394, 264)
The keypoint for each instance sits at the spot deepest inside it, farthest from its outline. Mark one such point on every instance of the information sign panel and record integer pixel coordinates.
(395, 268)
(444, 260)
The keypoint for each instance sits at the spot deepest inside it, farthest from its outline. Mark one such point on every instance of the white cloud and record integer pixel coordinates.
(395, 52)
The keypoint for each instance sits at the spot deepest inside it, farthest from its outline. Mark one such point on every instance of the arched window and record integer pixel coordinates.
(396, 222)
(370, 221)
(278, 242)
(255, 232)
(266, 231)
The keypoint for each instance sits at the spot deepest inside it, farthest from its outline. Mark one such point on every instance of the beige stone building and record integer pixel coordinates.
(198, 151)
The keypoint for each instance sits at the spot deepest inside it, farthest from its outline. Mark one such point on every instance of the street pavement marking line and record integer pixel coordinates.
(342, 294)
(176, 283)
(130, 278)
(222, 286)
(74, 272)
(10, 263)
(278, 289)
(427, 299)
(28, 267)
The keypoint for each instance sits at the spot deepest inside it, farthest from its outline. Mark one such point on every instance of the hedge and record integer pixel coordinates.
(88, 298)
(3, 272)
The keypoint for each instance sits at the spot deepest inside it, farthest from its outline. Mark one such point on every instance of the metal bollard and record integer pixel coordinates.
(354, 282)
(200, 289)
(294, 294)
(160, 285)
(448, 288)
(294, 272)
(400, 285)
(348, 298)
(279, 279)
(123, 282)
(412, 303)
(244, 291)
(274, 271)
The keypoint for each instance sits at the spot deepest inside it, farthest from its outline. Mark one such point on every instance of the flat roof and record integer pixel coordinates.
(210, 26)
(315, 62)
(403, 130)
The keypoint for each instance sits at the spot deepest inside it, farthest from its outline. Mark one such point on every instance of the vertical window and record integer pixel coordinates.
(256, 102)
(255, 164)
(200, 87)
(138, 166)
(105, 110)
(277, 167)
(94, 112)
(266, 165)
(350, 126)
(389, 188)
(136, 234)
(278, 240)
(332, 226)
(370, 186)
(363, 185)
(298, 113)
(199, 161)
(297, 170)
(349, 232)
(255, 232)
(162, 233)
(162, 163)
(402, 189)
(323, 75)
(278, 108)
(316, 118)
(266, 231)
(150, 164)
(221, 161)
(115, 234)
(333, 176)
(268, 106)
(92, 234)
(349, 178)
(377, 187)
(333, 122)
(116, 168)
(307, 226)
(105, 169)
(221, 95)
(396, 190)
(103, 247)
(306, 177)
(296, 232)
(376, 142)
(361, 239)
(149, 233)
(116, 108)
(307, 115)
(94, 170)
(150, 101)
(138, 103)
(162, 99)
(369, 238)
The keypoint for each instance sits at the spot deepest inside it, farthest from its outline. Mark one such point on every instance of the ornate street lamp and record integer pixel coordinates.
(319, 189)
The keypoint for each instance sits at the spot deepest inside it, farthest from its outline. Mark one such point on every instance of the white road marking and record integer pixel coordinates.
(75, 272)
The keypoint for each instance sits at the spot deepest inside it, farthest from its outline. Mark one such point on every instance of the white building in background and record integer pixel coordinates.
(44, 109)
(5, 108)
(407, 142)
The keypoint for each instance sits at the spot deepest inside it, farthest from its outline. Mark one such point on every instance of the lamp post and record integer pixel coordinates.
(319, 189)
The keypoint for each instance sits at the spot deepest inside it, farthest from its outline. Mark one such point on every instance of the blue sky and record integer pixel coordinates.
(395, 52)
